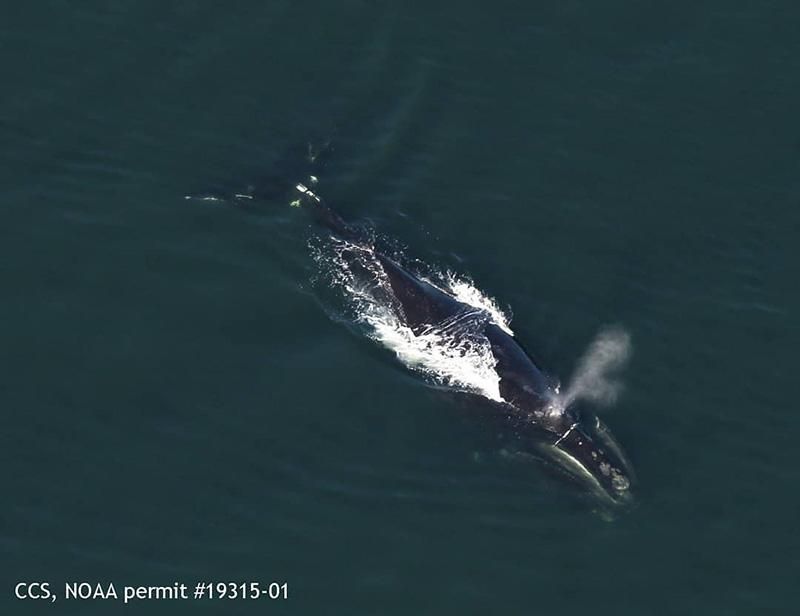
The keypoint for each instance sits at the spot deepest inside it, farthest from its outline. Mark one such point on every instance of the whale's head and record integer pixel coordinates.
(582, 446)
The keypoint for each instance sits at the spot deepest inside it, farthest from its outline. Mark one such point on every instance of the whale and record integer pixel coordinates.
(571, 440)
(567, 438)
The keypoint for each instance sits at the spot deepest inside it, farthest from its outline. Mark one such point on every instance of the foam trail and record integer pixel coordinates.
(593, 380)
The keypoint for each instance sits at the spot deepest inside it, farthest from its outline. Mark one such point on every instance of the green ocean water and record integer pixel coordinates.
(179, 406)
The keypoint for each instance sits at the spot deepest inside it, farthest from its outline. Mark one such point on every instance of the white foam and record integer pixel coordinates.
(463, 366)
(465, 291)
(464, 363)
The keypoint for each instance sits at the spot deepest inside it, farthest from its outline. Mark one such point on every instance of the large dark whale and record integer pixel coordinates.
(530, 408)
(578, 443)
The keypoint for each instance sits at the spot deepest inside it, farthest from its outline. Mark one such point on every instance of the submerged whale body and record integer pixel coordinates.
(578, 444)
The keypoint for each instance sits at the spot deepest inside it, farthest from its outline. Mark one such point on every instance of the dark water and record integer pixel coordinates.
(178, 406)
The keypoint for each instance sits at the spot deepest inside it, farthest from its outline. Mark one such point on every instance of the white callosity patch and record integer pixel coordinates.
(456, 360)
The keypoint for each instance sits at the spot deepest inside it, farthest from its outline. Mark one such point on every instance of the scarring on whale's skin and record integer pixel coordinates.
(578, 444)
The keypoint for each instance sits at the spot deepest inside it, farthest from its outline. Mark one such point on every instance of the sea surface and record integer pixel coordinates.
(179, 403)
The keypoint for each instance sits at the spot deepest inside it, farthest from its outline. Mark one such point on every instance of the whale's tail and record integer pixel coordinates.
(304, 194)
(292, 179)
(324, 214)
(299, 163)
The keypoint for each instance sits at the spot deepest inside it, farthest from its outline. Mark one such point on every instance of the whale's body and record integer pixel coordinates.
(529, 402)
